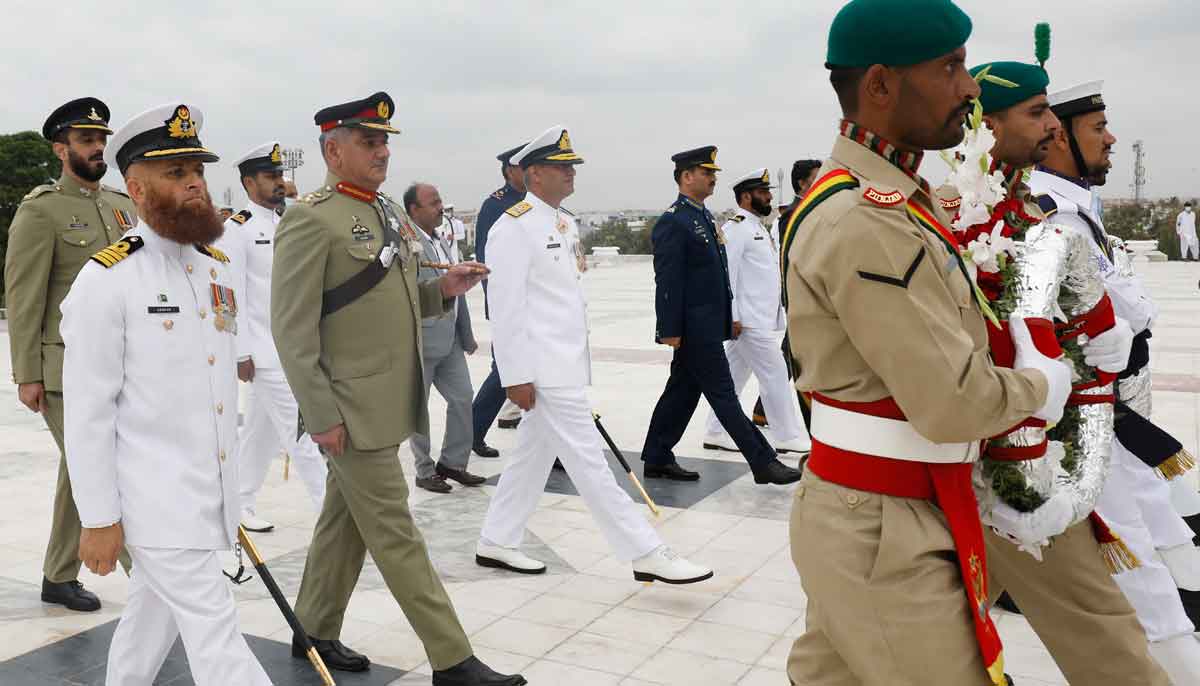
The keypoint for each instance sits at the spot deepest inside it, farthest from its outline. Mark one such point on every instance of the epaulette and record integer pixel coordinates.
(118, 251)
(241, 217)
(738, 218)
(499, 195)
(40, 191)
(212, 252)
(518, 209)
(1047, 204)
(671, 208)
(318, 196)
(118, 191)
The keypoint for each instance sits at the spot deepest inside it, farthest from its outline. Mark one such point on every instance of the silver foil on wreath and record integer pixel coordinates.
(1058, 279)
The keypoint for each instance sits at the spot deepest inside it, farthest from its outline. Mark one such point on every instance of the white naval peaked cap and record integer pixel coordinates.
(1080, 99)
(164, 132)
(552, 147)
(757, 178)
(265, 157)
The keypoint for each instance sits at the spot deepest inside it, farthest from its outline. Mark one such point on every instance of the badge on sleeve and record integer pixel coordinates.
(883, 199)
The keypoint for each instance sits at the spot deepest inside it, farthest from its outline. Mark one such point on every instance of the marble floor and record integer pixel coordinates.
(585, 622)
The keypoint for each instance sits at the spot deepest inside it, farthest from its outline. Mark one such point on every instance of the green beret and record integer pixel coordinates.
(1023, 82)
(895, 32)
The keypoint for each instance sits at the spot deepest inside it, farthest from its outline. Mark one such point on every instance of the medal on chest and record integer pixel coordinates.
(224, 307)
(358, 231)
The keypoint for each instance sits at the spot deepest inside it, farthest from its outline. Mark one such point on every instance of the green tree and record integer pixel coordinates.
(615, 233)
(26, 160)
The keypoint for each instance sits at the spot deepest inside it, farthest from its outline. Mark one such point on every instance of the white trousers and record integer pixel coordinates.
(560, 425)
(758, 351)
(1189, 245)
(270, 427)
(180, 593)
(1150, 588)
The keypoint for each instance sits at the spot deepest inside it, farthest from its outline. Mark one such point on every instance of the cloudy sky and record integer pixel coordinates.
(634, 81)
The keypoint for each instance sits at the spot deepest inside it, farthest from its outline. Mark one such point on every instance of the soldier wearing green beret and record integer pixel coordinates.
(892, 346)
(346, 312)
(1069, 596)
(58, 226)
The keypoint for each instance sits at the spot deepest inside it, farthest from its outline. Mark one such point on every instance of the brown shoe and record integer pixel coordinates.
(436, 483)
(462, 476)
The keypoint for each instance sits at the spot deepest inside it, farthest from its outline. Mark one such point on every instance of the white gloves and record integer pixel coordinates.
(1032, 530)
(1057, 372)
(1109, 351)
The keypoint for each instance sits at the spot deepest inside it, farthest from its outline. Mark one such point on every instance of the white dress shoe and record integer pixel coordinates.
(1183, 561)
(796, 445)
(254, 523)
(720, 441)
(1179, 657)
(513, 560)
(662, 564)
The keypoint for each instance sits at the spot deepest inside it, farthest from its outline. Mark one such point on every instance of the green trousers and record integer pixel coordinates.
(366, 508)
(62, 550)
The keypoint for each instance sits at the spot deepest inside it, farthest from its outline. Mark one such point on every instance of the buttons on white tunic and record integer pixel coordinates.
(168, 325)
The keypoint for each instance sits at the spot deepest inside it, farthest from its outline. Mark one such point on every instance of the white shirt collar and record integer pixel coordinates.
(1071, 191)
(255, 209)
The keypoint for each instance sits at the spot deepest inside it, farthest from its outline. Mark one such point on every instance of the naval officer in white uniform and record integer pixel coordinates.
(1136, 500)
(271, 415)
(540, 336)
(151, 410)
(759, 321)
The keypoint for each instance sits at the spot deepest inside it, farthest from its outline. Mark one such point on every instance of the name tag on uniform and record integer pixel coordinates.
(162, 309)
(758, 238)
(951, 265)
(263, 242)
(553, 245)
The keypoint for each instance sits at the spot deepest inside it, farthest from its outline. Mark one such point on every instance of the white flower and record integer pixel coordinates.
(986, 249)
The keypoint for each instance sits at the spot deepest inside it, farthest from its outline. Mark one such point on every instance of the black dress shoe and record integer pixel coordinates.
(508, 423)
(435, 484)
(776, 472)
(484, 450)
(472, 672)
(462, 476)
(70, 594)
(671, 471)
(335, 655)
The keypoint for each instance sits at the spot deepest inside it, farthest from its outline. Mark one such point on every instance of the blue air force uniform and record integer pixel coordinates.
(693, 301)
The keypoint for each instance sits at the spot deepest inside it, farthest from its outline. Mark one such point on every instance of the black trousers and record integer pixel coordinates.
(701, 369)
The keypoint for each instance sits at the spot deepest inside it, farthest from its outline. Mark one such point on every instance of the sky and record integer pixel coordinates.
(633, 81)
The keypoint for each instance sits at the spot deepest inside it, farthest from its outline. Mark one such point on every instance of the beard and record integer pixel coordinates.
(760, 207)
(89, 170)
(190, 223)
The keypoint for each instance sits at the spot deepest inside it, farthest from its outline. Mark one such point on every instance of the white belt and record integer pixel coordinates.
(883, 437)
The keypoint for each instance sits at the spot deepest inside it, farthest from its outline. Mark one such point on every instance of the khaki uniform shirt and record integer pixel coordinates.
(56, 229)
(878, 308)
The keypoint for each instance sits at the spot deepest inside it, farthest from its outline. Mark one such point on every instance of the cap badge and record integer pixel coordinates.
(181, 126)
(93, 116)
(714, 156)
(383, 110)
(766, 177)
(564, 141)
(276, 156)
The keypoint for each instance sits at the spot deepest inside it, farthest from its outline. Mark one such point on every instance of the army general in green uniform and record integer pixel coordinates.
(56, 229)
(346, 314)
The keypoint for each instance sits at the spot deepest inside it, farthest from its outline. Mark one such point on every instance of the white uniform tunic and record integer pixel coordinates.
(1136, 501)
(754, 274)
(272, 412)
(540, 336)
(149, 385)
(1185, 227)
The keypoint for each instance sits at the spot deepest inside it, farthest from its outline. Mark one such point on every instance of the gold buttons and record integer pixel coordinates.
(220, 408)
(222, 455)
(212, 360)
(203, 314)
(168, 325)
(189, 269)
(83, 242)
(852, 499)
(212, 271)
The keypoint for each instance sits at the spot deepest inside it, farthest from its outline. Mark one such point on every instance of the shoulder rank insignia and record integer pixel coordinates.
(950, 204)
(518, 209)
(499, 195)
(118, 251)
(883, 199)
(212, 252)
(40, 190)
(738, 218)
(1047, 204)
(118, 191)
(241, 217)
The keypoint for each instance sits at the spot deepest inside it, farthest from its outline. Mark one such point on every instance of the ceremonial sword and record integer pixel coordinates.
(625, 465)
